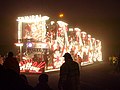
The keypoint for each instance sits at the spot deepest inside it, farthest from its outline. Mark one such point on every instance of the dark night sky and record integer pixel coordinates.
(100, 18)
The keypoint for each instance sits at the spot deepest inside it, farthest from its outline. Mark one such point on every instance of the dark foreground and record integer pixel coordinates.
(99, 76)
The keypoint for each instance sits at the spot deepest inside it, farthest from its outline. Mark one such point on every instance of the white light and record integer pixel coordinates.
(45, 17)
(61, 23)
(83, 32)
(77, 29)
(19, 44)
(89, 35)
(29, 45)
(70, 29)
(52, 22)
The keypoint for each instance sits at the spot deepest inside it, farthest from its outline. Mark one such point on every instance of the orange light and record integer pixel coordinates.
(61, 15)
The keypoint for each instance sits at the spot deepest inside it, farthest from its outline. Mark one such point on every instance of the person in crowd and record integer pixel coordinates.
(115, 63)
(11, 63)
(111, 60)
(24, 78)
(10, 80)
(43, 83)
(118, 64)
(45, 56)
(79, 60)
(1, 63)
(1, 60)
(25, 82)
(69, 74)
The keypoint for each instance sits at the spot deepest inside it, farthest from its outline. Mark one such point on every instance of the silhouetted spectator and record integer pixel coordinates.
(118, 64)
(11, 63)
(7, 79)
(43, 83)
(25, 81)
(69, 74)
(24, 78)
(45, 56)
(79, 61)
(1, 63)
(1, 60)
(10, 80)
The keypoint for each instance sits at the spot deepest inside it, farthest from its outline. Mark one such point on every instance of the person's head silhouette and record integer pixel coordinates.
(10, 54)
(43, 78)
(67, 57)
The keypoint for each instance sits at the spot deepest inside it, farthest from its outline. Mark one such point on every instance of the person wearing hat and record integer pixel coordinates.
(69, 74)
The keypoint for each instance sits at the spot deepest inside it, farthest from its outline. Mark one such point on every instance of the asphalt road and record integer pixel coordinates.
(98, 76)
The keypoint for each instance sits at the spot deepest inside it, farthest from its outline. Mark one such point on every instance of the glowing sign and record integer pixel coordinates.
(32, 18)
(19, 44)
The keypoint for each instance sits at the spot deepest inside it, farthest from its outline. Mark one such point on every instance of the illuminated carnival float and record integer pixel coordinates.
(43, 43)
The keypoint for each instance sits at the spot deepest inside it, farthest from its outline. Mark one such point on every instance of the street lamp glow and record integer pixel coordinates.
(61, 15)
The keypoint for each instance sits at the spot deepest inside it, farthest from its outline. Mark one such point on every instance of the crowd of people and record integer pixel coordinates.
(12, 79)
